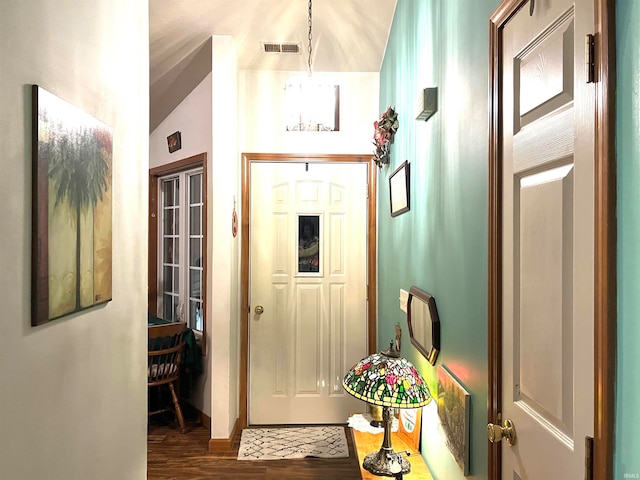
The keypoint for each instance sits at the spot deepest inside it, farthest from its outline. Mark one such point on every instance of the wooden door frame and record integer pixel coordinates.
(605, 342)
(247, 158)
(155, 173)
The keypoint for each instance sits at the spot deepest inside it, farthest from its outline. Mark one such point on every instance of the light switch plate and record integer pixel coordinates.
(404, 296)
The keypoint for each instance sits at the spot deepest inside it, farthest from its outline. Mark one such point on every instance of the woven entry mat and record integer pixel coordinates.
(294, 442)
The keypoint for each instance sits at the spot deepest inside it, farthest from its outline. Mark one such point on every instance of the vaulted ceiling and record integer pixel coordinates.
(348, 35)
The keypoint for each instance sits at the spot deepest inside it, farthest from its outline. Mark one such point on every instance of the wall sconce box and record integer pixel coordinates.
(427, 103)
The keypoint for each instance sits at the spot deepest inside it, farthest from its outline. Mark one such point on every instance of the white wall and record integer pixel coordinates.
(225, 347)
(262, 130)
(192, 117)
(207, 120)
(228, 113)
(73, 391)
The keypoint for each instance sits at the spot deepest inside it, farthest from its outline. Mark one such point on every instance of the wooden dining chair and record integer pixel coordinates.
(166, 346)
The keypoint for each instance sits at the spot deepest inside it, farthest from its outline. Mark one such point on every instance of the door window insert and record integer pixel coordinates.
(309, 244)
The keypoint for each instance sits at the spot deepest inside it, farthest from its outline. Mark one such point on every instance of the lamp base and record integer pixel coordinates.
(376, 416)
(386, 463)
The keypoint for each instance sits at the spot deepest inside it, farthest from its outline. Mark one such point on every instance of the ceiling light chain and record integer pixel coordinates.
(310, 37)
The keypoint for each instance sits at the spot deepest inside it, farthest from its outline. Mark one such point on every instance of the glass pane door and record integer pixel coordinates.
(195, 251)
(181, 276)
(170, 260)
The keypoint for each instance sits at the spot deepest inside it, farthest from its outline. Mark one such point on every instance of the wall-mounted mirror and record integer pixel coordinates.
(424, 324)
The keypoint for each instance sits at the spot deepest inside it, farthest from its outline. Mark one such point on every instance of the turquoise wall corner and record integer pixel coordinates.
(627, 428)
(440, 245)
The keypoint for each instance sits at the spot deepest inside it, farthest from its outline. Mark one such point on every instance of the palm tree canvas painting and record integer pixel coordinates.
(72, 191)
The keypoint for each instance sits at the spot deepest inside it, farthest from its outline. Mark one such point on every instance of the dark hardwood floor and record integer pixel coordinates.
(174, 455)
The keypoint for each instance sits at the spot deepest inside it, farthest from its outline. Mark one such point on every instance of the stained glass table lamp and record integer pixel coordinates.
(387, 380)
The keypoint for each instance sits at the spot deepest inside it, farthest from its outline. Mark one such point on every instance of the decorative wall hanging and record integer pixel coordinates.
(234, 220)
(399, 190)
(384, 130)
(71, 220)
(453, 410)
(174, 141)
(398, 340)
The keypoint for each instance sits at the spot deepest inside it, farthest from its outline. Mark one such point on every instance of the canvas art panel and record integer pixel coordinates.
(72, 209)
(453, 410)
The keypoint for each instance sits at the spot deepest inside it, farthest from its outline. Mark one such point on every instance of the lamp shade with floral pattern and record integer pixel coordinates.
(387, 381)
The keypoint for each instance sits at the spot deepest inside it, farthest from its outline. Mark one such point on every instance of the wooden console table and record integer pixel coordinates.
(366, 443)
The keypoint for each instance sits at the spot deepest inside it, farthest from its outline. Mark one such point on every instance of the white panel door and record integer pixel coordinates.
(307, 292)
(548, 237)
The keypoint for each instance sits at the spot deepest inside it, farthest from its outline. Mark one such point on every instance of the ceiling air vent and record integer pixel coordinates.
(290, 48)
(272, 47)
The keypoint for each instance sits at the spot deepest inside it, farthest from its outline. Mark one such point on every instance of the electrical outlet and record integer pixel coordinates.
(404, 296)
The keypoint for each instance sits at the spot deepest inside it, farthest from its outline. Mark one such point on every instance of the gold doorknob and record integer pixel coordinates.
(259, 309)
(496, 433)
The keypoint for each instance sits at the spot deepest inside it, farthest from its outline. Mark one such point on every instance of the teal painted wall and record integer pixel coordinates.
(627, 456)
(440, 245)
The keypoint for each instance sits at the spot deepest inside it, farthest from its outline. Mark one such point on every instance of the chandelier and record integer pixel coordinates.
(310, 106)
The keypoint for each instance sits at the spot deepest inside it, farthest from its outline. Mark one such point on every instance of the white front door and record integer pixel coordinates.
(548, 241)
(307, 290)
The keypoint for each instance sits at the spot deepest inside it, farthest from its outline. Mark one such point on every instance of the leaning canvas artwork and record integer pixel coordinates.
(72, 211)
(453, 410)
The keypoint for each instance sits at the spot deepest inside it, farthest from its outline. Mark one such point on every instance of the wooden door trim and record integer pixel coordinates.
(605, 294)
(605, 341)
(247, 158)
(155, 173)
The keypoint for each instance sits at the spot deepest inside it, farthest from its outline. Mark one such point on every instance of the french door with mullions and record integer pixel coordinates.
(180, 251)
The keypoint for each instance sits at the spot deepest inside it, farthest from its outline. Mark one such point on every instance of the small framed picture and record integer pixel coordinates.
(174, 142)
(409, 427)
(399, 190)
